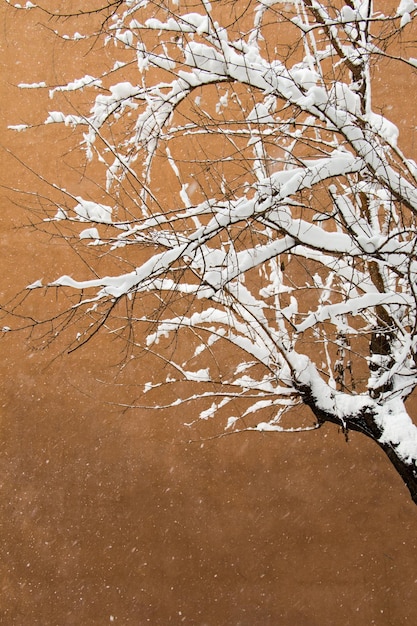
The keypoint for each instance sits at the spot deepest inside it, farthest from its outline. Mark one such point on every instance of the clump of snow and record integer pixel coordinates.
(89, 233)
(406, 6)
(398, 430)
(388, 130)
(344, 98)
(208, 413)
(61, 214)
(75, 85)
(223, 102)
(404, 9)
(124, 90)
(268, 426)
(93, 212)
(202, 375)
(58, 117)
(32, 85)
(125, 37)
(36, 285)
(19, 127)
(231, 422)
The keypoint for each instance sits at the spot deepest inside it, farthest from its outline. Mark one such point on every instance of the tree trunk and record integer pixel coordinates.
(364, 422)
(407, 470)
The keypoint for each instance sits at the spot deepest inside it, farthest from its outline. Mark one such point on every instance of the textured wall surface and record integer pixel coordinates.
(117, 517)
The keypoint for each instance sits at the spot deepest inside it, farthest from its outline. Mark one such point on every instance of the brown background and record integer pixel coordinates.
(112, 517)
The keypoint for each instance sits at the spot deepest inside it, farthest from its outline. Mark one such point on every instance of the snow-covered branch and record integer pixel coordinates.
(261, 202)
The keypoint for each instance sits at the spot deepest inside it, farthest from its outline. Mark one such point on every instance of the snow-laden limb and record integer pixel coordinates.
(388, 424)
(264, 208)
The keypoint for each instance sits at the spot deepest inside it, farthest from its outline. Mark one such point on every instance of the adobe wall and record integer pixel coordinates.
(109, 516)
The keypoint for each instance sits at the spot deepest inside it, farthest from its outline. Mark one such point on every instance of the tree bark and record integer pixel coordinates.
(364, 423)
(407, 470)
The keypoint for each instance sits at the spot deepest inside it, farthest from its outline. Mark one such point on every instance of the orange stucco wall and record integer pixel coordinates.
(117, 517)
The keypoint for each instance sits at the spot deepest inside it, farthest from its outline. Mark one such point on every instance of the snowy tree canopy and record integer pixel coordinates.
(260, 203)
